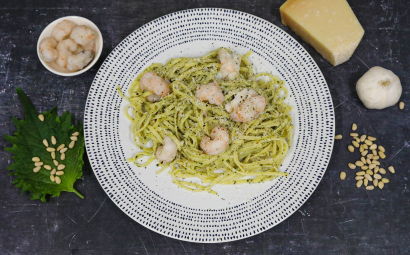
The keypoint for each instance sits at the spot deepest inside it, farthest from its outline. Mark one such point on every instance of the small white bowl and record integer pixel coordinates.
(53, 67)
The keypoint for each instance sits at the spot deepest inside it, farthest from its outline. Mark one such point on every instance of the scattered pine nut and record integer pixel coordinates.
(369, 172)
(75, 133)
(363, 160)
(342, 175)
(381, 148)
(55, 162)
(372, 166)
(358, 177)
(360, 173)
(41, 117)
(374, 152)
(350, 148)
(376, 169)
(338, 137)
(401, 105)
(382, 155)
(359, 163)
(380, 185)
(61, 167)
(371, 138)
(370, 156)
(36, 169)
(361, 149)
(35, 159)
(50, 149)
(362, 138)
(47, 167)
(365, 146)
(354, 134)
(53, 155)
(359, 183)
(375, 182)
(364, 167)
(58, 180)
(377, 176)
(45, 142)
(391, 169)
(59, 173)
(385, 180)
(357, 140)
(370, 187)
(53, 172)
(373, 147)
(354, 127)
(365, 182)
(71, 145)
(355, 144)
(364, 153)
(62, 157)
(375, 157)
(64, 150)
(74, 138)
(382, 171)
(53, 140)
(38, 163)
(368, 177)
(368, 161)
(52, 178)
(61, 146)
(376, 162)
(368, 142)
(352, 166)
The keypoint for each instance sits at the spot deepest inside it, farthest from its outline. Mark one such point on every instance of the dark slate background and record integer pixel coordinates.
(337, 219)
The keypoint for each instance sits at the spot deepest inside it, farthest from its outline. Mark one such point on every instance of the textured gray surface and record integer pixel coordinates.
(337, 219)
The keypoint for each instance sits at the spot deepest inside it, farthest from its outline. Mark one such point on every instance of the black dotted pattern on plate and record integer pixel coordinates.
(314, 142)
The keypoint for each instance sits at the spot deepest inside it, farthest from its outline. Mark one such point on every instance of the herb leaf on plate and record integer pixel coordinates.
(28, 143)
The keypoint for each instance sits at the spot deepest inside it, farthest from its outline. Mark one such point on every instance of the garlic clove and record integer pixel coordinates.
(379, 88)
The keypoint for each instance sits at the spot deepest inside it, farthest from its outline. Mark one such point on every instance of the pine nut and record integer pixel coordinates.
(58, 180)
(369, 172)
(357, 140)
(354, 127)
(35, 159)
(354, 134)
(350, 148)
(363, 160)
(374, 152)
(359, 163)
(382, 171)
(355, 144)
(381, 185)
(53, 155)
(45, 142)
(370, 187)
(342, 175)
(372, 166)
(74, 138)
(367, 176)
(61, 146)
(385, 180)
(38, 163)
(371, 138)
(361, 149)
(53, 172)
(401, 105)
(55, 162)
(64, 150)
(373, 147)
(50, 149)
(365, 182)
(381, 148)
(370, 156)
(368, 142)
(377, 176)
(71, 145)
(368, 161)
(41, 117)
(52, 178)
(375, 182)
(376, 162)
(375, 157)
(47, 167)
(359, 183)
(62, 156)
(53, 140)
(382, 155)
(352, 166)
(364, 167)
(359, 178)
(365, 146)
(362, 138)
(76, 133)
(338, 137)
(364, 153)
(61, 167)
(360, 173)
(36, 169)
(60, 173)
(376, 169)
(391, 169)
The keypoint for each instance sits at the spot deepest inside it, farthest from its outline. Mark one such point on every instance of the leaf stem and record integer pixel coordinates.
(78, 194)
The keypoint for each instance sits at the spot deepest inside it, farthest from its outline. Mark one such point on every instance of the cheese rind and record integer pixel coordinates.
(330, 26)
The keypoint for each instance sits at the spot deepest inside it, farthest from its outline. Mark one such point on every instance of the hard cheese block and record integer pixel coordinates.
(330, 26)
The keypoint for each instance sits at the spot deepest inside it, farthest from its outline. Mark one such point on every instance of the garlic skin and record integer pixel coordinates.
(379, 88)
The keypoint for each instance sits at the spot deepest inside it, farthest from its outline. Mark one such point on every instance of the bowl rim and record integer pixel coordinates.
(97, 54)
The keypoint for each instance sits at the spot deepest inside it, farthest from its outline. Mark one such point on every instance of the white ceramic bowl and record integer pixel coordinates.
(53, 67)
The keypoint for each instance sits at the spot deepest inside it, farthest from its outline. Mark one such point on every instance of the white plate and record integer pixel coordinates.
(240, 210)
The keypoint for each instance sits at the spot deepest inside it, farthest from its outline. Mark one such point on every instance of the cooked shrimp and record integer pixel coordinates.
(62, 30)
(82, 35)
(48, 50)
(152, 82)
(211, 92)
(230, 64)
(90, 46)
(167, 152)
(65, 48)
(246, 106)
(79, 61)
(217, 143)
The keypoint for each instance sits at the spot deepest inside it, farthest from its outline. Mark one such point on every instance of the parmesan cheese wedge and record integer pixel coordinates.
(330, 26)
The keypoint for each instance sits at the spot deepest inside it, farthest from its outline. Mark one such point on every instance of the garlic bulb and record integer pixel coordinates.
(379, 88)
